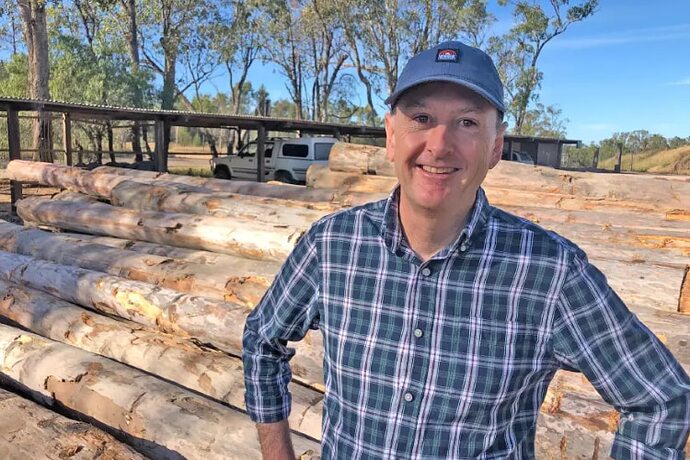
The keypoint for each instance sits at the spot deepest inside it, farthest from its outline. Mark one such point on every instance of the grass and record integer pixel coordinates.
(198, 172)
(674, 161)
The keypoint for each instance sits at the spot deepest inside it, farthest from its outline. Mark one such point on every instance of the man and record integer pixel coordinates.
(444, 319)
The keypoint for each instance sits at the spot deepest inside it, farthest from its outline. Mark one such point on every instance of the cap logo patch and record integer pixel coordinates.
(447, 55)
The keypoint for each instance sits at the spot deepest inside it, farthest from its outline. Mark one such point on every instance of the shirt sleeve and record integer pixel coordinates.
(286, 313)
(631, 369)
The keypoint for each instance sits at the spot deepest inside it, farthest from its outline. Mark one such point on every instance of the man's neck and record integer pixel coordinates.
(428, 232)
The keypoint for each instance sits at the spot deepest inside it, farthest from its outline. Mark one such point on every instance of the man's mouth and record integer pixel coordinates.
(433, 170)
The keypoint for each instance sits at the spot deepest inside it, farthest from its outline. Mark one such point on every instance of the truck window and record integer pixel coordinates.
(295, 150)
(321, 151)
(248, 151)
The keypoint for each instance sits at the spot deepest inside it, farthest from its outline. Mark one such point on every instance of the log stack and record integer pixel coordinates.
(125, 297)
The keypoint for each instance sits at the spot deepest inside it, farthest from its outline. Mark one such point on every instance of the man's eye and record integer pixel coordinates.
(467, 123)
(421, 118)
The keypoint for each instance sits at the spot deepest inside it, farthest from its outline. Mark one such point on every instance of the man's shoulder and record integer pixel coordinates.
(511, 224)
(346, 220)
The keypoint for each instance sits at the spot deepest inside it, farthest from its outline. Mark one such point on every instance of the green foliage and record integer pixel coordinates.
(517, 52)
(13, 81)
(544, 121)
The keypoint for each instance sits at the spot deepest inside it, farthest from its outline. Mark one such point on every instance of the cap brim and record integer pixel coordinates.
(469, 85)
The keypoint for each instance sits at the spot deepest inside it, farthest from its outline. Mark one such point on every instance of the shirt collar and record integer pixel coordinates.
(392, 233)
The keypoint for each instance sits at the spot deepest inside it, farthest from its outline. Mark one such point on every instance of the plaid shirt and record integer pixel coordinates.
(451, 358)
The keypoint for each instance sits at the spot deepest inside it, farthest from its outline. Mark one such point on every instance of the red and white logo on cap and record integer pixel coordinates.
(447, 55)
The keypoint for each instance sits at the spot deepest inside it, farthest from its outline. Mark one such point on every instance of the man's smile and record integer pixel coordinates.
(437, 170)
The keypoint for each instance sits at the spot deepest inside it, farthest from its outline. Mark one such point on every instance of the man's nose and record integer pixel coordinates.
(439, 141)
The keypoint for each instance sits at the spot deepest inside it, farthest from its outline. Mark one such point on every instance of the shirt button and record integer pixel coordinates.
(426, 271)
(463, 247)
(418, 333)
(408, 397)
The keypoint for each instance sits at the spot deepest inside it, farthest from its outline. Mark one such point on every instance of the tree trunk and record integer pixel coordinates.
(136, 195)
(209, 372)
(214, 322)
(188, 255)
(320, 177)
(254, 240)
(244, 282)
(101, 181)
(28, 430)
(159, 419)
(36, 38)
(363, 159)
(137, 96)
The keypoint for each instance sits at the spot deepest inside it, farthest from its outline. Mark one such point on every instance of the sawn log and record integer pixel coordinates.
(207, 371)
(246, 238)
(157, 418)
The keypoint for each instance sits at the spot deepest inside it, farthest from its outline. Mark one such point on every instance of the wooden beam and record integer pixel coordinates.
(261, 154)
(14, 141)
(161, 152)
(67, 137)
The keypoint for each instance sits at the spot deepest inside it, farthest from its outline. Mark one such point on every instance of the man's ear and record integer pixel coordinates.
(497, 151)
(390, 140)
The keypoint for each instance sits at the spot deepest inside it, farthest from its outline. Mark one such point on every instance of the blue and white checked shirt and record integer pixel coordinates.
(451, 358)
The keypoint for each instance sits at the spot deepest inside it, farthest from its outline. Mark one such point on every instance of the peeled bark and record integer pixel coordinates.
(684, 296)
(71, 178)
(189, 255)
(28, 430)
(363, 159)
(243, 283)
(229, 236)
(157, 418)
(214, 322)
(209, 372)
(135, 195)
(321, 177)
(102, 180)
(288, 192)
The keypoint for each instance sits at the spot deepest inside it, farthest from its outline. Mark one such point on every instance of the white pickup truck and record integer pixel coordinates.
(286, 160)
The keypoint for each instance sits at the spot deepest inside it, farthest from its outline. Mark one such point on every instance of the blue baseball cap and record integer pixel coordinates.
(452, 62)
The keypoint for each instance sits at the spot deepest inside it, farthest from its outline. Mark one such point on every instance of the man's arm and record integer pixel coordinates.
(595, 333)
(287, 311)
(275, 441)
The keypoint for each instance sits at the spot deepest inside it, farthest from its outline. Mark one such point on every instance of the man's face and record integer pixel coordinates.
(443, 139)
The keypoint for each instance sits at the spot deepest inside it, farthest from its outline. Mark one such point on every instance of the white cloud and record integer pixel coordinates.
(649, 34)
(683, 82)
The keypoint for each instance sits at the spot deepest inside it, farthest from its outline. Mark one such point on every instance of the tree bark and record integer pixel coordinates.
(36, 38)
(245, 238)
(101, 181)
(28, 430)
(209, 372)
(157, 418)
(244, 283)
(364, 159)
(135, 61)
(136, 195)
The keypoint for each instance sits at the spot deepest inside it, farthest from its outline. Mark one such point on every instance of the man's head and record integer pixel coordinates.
(445, 128)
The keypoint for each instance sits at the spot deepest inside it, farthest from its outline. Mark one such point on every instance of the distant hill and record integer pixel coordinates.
(674, 161)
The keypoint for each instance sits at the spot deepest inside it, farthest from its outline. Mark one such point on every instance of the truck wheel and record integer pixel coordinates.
(221, 172)
(284, 176)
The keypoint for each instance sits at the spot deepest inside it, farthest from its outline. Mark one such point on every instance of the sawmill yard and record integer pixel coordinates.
(125, 294)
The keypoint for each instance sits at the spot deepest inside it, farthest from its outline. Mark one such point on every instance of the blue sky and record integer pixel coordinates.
(625, 68)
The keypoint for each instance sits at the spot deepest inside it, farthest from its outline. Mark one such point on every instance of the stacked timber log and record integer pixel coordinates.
(166, 268)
